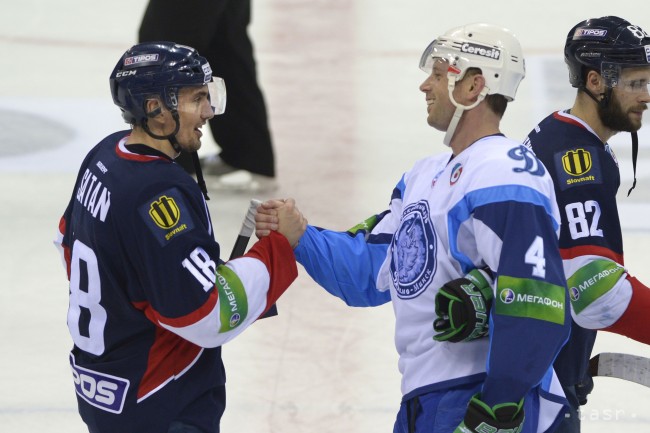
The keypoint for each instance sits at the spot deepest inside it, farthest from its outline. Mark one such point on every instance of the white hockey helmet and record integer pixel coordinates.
(493, 49)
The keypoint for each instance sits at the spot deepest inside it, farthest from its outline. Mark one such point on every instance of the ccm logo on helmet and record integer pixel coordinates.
(480, 50)
(125, 73)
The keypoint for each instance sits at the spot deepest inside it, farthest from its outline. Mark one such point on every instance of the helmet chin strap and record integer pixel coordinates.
(199, 175)
(177, 148)
(171, 137)
(635, 153)
(460, 109)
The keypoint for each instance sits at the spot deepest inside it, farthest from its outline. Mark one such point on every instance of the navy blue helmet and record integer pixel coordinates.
(160, 69)
(605, 45)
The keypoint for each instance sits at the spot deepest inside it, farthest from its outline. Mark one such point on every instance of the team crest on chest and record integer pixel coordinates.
(413, 251)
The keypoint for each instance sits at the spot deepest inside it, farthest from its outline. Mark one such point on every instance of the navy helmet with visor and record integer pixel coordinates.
(159, 70)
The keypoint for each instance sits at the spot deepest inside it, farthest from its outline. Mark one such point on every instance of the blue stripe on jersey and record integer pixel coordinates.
(481, 197)
(380, 238)
(346, 266)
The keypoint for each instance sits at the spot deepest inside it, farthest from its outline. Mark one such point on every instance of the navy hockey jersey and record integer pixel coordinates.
(586, 177)
(150, 301)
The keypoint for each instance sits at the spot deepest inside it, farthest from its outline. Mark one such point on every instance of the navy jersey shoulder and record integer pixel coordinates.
(586, 177)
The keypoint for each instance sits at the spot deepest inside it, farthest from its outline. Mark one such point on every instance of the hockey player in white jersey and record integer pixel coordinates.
(482, 215)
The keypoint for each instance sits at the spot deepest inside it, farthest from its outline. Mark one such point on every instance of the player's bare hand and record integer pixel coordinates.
(291, 222)
(266, 218)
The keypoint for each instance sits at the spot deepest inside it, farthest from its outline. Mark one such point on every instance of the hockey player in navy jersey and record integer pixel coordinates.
(151, 302)
(485, 211)
(609, 63)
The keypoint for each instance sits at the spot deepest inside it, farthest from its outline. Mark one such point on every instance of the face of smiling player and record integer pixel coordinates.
(194, 110)
(439, 108)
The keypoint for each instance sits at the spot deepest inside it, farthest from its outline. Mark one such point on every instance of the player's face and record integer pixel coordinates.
(629, 100)
(194, 110)
(439, 108)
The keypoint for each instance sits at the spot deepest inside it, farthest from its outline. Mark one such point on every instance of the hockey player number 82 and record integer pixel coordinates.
(85, 294)
(576, 214)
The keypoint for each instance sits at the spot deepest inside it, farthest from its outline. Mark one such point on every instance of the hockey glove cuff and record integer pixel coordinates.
(463, 307)
(502, 418)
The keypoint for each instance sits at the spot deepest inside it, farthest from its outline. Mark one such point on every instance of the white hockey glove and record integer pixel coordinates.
(463, 308)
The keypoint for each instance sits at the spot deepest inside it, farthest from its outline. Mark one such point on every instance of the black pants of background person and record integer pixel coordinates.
(218, 30)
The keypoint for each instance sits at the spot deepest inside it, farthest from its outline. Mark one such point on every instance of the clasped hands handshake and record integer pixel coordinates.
(283, 216)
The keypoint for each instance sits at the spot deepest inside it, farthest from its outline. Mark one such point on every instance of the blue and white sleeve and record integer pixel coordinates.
(345, 264)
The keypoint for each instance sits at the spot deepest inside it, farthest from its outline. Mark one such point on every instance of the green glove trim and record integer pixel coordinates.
(501, 418)
(462, 308)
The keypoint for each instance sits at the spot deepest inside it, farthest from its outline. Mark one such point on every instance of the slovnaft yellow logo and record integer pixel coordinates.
(577, 162)
(165, 212)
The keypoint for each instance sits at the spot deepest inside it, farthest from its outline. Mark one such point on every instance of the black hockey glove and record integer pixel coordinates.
(463, 307)
(502, 418)
(584, 388)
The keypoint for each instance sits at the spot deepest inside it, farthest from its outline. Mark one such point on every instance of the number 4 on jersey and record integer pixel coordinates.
(535, 256)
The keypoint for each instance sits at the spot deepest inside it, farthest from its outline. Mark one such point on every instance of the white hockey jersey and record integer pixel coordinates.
(493, 205)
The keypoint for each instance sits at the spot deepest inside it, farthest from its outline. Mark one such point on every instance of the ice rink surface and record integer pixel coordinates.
(341, 82)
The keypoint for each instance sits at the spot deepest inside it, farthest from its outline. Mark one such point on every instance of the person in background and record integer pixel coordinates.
(151, 302)
(609, 63)
(218, 29)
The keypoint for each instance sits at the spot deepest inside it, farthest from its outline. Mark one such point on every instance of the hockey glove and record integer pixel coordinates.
(463, 307)
(502, 418)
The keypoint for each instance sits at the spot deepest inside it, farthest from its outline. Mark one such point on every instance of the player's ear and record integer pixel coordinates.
(152, 107)
(594, 82)
(474, 85)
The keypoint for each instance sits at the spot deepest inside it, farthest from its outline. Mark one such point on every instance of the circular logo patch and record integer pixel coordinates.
(234, 320)
(507, 296)
(413, 251)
